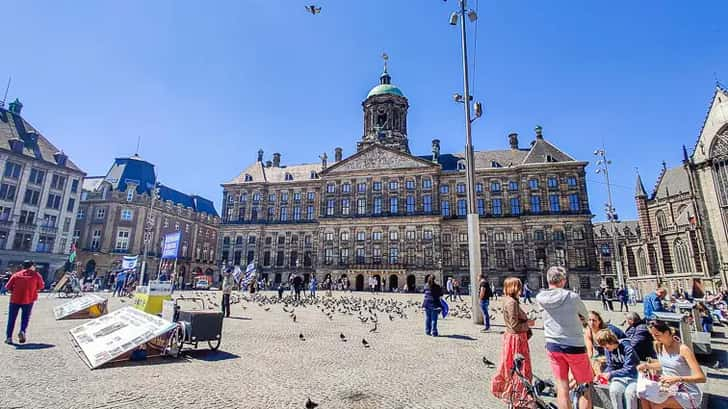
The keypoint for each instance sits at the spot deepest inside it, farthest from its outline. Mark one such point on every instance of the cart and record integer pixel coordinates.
(194, 327)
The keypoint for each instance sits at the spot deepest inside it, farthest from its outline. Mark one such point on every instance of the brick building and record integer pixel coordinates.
(112, 215)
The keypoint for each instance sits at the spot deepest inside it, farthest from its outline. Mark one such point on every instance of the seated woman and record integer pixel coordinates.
(679, 367)
(595, 323)
(621, 370)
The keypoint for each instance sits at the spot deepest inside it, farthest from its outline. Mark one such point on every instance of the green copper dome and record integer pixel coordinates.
(382, 89)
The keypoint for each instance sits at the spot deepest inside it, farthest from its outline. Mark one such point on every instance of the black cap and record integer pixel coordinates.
(28, 264)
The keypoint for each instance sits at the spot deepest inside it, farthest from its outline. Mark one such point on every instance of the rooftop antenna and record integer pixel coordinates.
(5, 97)
(139, 141)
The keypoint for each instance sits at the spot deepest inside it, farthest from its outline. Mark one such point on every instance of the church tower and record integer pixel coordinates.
(385, 115)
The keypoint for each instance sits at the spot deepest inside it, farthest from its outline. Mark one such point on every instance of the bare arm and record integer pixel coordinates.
(588, 342)
(696, 372)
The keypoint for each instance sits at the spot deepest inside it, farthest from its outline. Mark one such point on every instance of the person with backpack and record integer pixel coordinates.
(484, 294)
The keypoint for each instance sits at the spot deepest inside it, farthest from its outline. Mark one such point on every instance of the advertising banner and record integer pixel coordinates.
(88, 306)
(111, 336)
(170, 248)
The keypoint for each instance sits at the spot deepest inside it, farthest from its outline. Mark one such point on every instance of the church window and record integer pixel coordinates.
(661, 220)
(682, 257)
(641, 263)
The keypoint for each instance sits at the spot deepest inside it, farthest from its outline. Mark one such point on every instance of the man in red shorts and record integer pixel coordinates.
(564, 316)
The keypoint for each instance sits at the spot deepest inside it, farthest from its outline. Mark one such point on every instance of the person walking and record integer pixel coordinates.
(313, 285)
(603, 298)
(621, 370)
(493, 291)
(623, 296)
(227, 288)
(3, 281)
(23, 286)
(527, 293)
(653, 302)
(456, 288)
(484, 296)
(431, 304)
(450, 289)
(564, 315)
(679, 368)
(632, 294)
(504, 385)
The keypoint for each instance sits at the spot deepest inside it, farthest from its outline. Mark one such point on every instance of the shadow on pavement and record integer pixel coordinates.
(460, 337)
(239, 318)
(208, 356)
(33, 346)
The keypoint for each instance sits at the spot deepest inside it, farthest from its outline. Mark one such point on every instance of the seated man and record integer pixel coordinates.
(639, 336)
(621, 370)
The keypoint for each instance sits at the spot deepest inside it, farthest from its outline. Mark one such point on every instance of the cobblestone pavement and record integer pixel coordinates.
(263, 364)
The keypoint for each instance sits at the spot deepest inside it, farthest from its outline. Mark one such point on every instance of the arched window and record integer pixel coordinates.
(641, 263)
(289, 176)
(719, 154)
(682, 257)
(248, 178)
(661, 220)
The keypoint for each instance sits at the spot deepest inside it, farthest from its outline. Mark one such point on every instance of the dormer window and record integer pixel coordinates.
(289, 176)
(494, 164)
(248, 178)
(550, 158)
(129, 195)
(313, 175)
(461, 165)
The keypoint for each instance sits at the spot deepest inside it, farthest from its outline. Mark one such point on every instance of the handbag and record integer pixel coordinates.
(653, 391)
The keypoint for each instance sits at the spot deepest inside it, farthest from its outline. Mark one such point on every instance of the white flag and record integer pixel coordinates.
(237, 273)
(129, 262)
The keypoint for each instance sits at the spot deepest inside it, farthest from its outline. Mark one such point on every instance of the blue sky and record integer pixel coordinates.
(205, 84)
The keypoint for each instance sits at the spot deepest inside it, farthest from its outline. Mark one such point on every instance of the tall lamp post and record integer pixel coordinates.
(148, 231)
(603, 168)
(473, 223)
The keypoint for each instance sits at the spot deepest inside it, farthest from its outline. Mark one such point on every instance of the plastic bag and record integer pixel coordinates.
(653, 391)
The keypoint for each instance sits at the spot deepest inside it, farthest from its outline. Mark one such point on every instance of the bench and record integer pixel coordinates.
(600, 396)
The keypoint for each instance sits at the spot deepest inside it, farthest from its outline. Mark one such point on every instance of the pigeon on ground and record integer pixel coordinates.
(310, 404)
(342, 337)
(374, 329)
(488, 363)
(313, 9)
(301, 337)
(365, 343)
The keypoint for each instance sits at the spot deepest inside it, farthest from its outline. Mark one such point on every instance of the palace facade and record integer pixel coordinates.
(386, 213)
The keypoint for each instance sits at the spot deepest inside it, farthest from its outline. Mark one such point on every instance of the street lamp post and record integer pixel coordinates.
(472, 216)
(603, 168)
(148, 231)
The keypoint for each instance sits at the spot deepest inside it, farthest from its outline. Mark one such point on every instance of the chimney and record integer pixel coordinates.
(337, 154)
(436, 150)
(276, 160)
(513, 140)
(268, 164)
(15, 107)
(260, 155)
(60, 158)
(539, 132)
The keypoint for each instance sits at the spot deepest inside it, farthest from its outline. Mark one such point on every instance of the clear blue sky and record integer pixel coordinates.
(205, 84)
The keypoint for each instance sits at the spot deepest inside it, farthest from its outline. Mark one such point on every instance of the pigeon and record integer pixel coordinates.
(488, 363)
(266, 309)
(365, 343)
(374, 329)
(716, 365)
(293, 316)
(313, 9)
(342, 337)
(310, 404)
(301, 337)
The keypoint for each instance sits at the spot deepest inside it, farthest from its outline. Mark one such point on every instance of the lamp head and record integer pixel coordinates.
(457, 97)
(472, 16)
(478, 109)
(454, 19)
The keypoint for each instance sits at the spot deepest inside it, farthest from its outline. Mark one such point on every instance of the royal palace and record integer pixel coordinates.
(387, 213)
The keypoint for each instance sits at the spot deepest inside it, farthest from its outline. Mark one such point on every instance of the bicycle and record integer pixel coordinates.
(531, 390)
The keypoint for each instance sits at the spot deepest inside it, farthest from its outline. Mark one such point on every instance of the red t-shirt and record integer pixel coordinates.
(24, 286)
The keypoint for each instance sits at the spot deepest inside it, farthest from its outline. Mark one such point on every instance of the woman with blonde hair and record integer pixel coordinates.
(504, 385)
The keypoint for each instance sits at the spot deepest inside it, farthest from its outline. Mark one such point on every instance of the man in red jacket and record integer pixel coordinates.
(24, 286)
